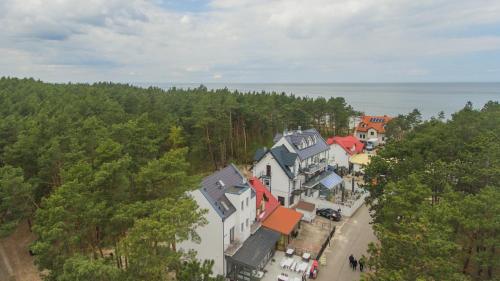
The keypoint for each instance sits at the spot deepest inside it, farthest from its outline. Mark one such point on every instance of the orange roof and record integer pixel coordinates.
(283, 220)
(375, 122)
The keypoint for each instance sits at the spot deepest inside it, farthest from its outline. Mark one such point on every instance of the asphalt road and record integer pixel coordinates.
(351, 237)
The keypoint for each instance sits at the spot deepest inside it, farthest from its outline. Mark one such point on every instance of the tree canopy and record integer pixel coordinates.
(103, 169)
(435, 199)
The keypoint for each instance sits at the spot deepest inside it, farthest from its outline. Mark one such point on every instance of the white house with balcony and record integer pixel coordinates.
(295, 166)
(231, 231)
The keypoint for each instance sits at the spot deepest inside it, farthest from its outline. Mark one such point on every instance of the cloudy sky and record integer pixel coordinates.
(250, 40)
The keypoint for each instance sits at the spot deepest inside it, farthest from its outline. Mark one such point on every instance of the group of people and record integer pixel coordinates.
(354, 263)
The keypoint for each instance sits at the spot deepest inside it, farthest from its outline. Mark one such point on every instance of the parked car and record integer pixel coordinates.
(329, 213)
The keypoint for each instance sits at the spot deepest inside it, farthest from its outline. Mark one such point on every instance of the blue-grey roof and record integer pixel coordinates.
(260, 153)
(295, 138)
(285, 159)
(215, 187)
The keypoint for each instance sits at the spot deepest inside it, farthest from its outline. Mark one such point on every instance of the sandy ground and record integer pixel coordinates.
(15, 262)
(351, 237)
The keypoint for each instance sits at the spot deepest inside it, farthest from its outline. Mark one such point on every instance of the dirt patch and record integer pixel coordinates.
(15, 259)
(312, 236)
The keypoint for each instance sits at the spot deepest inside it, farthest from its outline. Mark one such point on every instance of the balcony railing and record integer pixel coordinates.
(315, 167)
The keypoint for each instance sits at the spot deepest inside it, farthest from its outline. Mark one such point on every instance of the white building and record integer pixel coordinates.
(371, 127)
(231, 206)
(295, 164)
(342, 148)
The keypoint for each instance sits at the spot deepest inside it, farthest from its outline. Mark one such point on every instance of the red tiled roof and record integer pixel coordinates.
(283, 220)
(270, 202)
(368, 122)
(350, 144)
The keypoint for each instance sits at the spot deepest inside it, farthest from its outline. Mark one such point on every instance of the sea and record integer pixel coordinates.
(375, 98)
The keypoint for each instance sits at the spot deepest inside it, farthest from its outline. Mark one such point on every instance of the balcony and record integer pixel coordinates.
(315, 167)
(233, 247)
(255, 226)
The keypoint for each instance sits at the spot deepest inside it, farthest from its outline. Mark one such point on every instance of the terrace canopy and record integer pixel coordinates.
(331, 181)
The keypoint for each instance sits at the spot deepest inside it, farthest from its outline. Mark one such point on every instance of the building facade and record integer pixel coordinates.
(342, 148)
(372, 127)
(296, 163)
(230, 202)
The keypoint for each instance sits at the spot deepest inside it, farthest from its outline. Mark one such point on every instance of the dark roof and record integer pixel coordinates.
(295, 138)
(284, 158)
(254, 250)
(260, 153)
(215, 187)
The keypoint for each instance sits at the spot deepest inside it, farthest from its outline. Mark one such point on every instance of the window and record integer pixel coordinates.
(291, 200)
(247, 223)
(372, 133)
(231, 235)
(242, 205)
(247, 201)
(281, 199)
(268, 170)
(242, 227)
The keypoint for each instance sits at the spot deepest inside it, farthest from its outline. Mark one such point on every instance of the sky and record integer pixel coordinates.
(251, 41)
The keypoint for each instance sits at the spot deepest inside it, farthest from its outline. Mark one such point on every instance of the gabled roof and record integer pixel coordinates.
(376, 122)
(350, 144)
(283, 220)
(261, 152)
(284, 158)
(295, 138)
(215, 187)
(271, 203)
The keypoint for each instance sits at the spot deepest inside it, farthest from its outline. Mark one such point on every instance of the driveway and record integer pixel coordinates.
(351, 237)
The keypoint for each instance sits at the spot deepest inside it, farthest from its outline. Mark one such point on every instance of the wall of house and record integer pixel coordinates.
(211, 246)
(280, 182)
(363, 136)
(381, 138)
(339, 156)
(372, 133)
(308, 216)
(241, 216)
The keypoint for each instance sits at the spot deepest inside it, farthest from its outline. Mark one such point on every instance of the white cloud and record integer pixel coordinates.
(240, 40)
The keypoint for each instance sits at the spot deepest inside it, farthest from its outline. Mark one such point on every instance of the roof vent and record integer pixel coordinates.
(220, 184)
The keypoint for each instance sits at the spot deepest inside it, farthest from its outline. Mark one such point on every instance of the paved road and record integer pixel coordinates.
(351, 237)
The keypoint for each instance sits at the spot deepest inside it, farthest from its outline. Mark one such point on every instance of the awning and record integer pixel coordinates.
(360, 159)
(255, 249)
(331, 181)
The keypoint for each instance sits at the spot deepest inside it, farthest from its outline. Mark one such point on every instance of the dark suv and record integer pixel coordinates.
(329, 213)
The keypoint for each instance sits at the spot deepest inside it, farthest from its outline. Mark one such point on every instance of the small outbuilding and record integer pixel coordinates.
(307, 209)
(285, 221)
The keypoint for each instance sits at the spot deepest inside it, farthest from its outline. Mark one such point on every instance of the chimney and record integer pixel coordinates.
(299, 129)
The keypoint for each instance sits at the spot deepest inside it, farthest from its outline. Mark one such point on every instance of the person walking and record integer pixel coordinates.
(354, 264)
(351, 261)
(362, 262)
